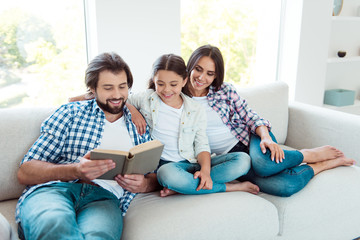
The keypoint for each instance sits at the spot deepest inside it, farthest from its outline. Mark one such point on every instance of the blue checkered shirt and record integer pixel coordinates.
(235, 112)
(68, 134)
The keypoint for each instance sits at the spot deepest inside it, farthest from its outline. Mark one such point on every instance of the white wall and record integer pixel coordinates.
(305, 49)
(143, 31)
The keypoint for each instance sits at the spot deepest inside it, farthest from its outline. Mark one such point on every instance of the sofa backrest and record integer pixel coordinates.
(270, 101)
(19, 128)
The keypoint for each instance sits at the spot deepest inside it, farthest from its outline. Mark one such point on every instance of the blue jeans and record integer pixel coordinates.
(280, 179)
(70, 211)
(179, 176)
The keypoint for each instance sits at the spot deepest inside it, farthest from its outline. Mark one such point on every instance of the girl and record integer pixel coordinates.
(180, 123)
(276, 171)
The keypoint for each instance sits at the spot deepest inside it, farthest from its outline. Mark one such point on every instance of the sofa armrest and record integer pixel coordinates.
(311, 126)
(6, 232)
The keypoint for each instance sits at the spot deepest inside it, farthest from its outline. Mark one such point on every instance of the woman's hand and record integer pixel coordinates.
(205, 180)
(82, 97)
(277, 153)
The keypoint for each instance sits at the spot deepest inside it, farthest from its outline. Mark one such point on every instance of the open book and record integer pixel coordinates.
(140, 159)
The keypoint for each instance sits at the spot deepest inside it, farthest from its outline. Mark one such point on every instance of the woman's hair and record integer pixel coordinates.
(215, 54)
(106, 61)
(168, 62)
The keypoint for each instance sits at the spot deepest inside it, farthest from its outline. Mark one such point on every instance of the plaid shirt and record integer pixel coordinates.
(68, 134)
(235, 112)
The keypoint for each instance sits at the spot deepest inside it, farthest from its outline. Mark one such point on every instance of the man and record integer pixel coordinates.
(63, 198)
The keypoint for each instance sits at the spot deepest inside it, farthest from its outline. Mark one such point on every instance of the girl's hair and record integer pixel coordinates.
(106, 61)
(168, 62)
(215, 54)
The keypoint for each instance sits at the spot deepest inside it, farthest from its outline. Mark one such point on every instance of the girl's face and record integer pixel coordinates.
(168, 85)
(202, 76)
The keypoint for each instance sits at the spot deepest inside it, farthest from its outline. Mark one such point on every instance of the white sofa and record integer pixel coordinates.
(327, 208)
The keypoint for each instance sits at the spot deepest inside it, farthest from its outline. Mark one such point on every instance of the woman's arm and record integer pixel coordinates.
(277, 153)
(82, 97)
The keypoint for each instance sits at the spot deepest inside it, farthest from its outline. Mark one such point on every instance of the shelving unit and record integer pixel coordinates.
(354, 109)
(345, 72)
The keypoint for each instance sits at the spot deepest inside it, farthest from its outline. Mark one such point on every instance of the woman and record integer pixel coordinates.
(234, 127)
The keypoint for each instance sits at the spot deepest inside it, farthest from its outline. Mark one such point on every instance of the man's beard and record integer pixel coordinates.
(108, 108)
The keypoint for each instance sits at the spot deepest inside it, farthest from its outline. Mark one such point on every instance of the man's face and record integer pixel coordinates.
(111, 93)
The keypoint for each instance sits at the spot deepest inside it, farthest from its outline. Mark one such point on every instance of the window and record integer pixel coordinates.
(246, 32)
(42, 52)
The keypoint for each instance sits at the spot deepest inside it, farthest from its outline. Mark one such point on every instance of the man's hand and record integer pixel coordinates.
(88, 170)
(138, 183)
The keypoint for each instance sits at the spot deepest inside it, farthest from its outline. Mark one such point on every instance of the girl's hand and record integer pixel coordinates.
(205, 180)
(277, 153)
(137, 119)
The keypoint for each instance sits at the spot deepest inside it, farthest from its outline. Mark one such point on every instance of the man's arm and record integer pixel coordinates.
(36, 172)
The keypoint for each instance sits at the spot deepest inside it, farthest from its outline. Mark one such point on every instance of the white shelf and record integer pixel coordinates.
(345, 19)
(344, 59)
(353, 109)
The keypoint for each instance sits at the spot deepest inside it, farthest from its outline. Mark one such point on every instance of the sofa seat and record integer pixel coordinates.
(233, 215)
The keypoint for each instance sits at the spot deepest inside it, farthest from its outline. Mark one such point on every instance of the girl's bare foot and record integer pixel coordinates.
(242, 186)
(166, 192)
(319, 154)
(333, 163)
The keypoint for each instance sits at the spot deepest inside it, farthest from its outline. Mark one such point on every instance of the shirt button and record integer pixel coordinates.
(153, 110)
(180, 150)
(182, 123)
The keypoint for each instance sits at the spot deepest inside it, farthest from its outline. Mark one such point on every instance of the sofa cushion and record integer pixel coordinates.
(5, 229)
(19, 129)
(232, 215)
(270, 101)
(329, 203)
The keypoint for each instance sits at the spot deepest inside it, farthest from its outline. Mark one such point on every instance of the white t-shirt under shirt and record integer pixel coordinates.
(169, 120)
(221, 140)
(115, 137)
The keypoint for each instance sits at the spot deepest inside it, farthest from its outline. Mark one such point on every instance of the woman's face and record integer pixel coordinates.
(202, 76)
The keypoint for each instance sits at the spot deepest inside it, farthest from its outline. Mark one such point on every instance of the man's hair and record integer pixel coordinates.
(106, 61)
(215, 54)
(169, 62)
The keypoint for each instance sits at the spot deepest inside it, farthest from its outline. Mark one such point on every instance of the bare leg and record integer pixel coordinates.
(242, 186)
(166, 192)
(329, 164)
(320, 154)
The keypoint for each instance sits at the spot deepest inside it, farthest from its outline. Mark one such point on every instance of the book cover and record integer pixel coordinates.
(140, 159)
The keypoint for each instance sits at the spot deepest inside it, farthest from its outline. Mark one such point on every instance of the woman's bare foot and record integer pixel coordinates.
(242, 186)
(333, 163)
(166, 192)
(320, 154)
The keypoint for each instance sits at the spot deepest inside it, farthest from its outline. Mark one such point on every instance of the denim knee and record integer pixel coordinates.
(241, 164)
(166, 175)
(262, 165)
